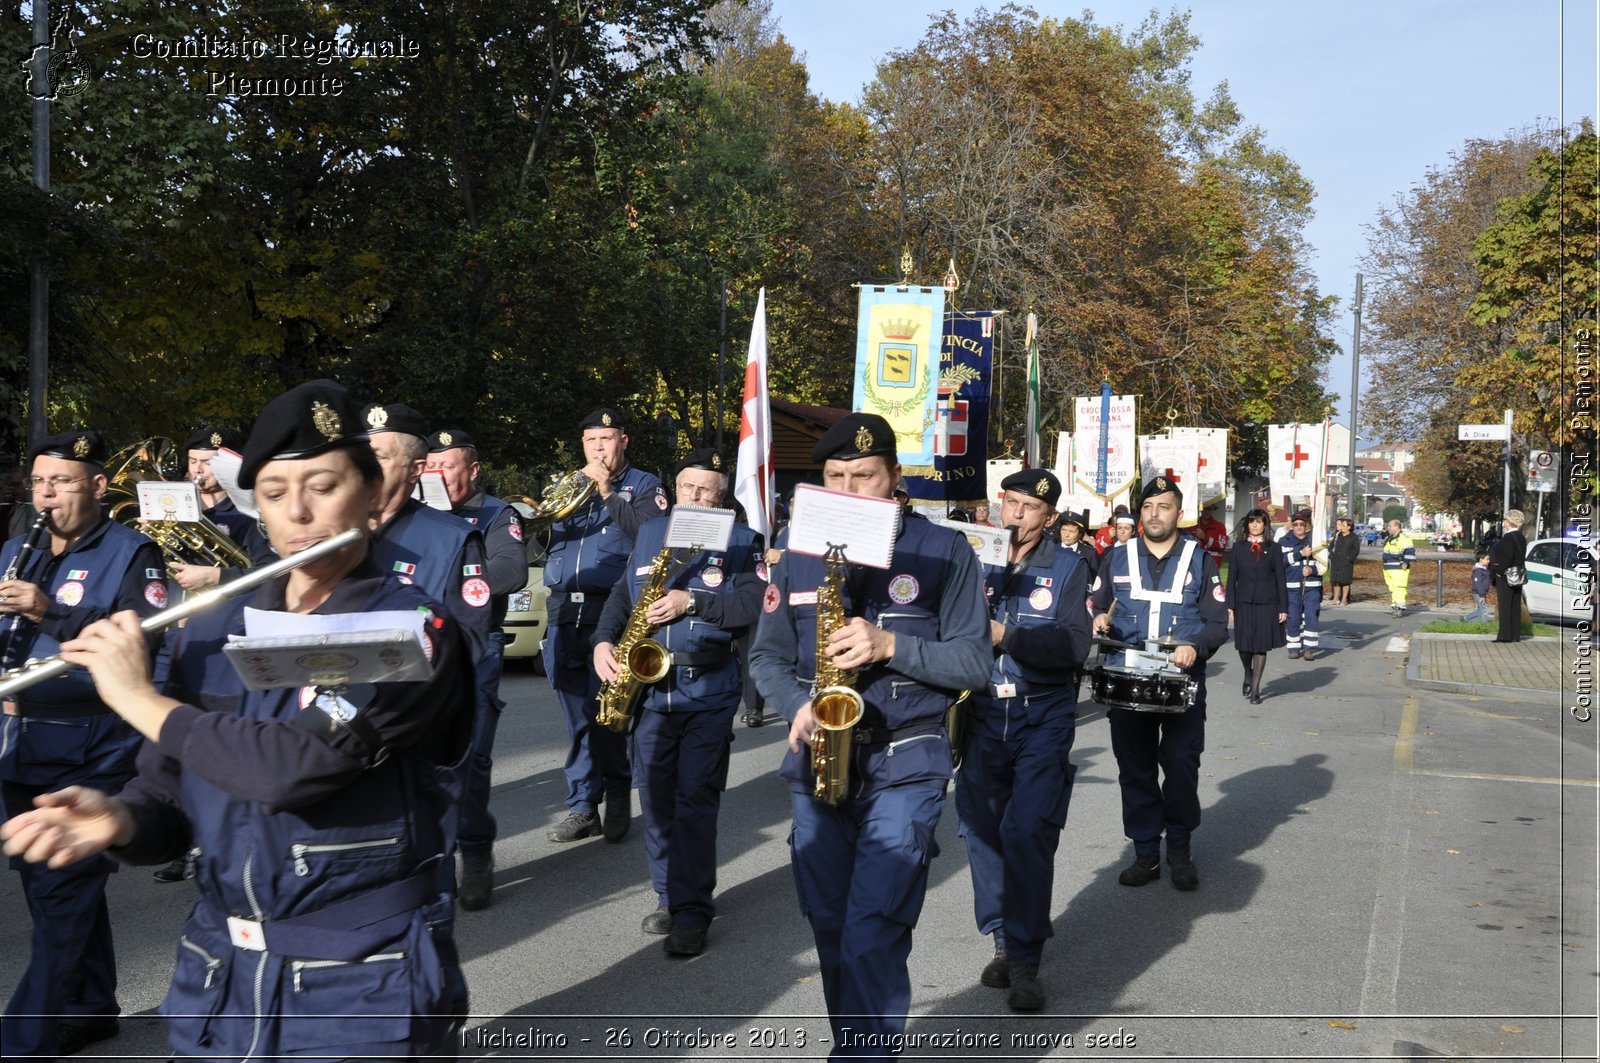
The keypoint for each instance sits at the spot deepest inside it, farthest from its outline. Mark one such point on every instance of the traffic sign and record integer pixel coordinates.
(1541, 470)
(1498, 432)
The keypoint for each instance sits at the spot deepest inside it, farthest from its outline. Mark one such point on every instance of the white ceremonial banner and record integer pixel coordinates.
(999, 469)
(863, 525)
(695, 528)
(1114, 450)
(1211, 468)
(169, 500)
(1294, 460)
(1178, 460)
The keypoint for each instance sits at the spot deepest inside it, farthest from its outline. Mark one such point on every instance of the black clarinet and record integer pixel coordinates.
(16, 568)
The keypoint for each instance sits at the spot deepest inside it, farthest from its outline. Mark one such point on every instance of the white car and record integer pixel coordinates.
(526, 621)
(1560, 585)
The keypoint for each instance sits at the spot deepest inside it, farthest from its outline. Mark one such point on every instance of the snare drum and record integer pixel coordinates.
(1142, 690)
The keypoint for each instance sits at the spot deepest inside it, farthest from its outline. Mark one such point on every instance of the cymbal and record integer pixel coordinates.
(1168, 643)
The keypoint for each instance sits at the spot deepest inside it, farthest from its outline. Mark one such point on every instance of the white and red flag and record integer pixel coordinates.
(752, 485)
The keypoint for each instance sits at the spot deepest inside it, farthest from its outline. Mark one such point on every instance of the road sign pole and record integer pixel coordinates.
(1506, 498)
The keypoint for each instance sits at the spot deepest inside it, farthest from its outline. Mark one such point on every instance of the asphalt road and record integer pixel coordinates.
(1385, 874)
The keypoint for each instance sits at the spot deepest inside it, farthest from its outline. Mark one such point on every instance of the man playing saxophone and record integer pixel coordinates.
(916, 635)
(685, 720)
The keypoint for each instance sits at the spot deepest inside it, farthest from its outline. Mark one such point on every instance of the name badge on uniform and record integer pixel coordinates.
(1005, 690)
(576, 597)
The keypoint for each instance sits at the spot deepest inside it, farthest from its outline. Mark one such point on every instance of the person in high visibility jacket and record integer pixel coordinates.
(1398, 554)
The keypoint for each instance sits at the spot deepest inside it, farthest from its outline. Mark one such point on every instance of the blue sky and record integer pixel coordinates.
(1364, 95)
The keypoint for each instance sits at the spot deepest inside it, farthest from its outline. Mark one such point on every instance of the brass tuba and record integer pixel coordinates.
(642, 659)
(835, 705)
(560, 499)
(181, 543)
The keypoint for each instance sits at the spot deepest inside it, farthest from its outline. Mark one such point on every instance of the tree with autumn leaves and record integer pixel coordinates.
(544, 208)
(1483, 278)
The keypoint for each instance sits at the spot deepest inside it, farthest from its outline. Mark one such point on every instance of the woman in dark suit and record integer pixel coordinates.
(1343, 550)
(1509, 551)
(1258, 598)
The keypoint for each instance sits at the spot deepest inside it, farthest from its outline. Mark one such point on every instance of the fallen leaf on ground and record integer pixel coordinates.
(1453, 852)
(1336, 1024)
(1512, 1029)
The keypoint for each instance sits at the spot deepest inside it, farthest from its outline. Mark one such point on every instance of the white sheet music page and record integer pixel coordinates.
(169, 500)
(694, 528)
(863, 525)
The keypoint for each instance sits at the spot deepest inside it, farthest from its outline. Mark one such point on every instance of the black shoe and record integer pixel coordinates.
(576, 825)
(477, 883)
(1255, 697)
(181, 868)
(657, 922)
(619, 815)
(1026, 992)
(73, 1038)
(1143, 871)
(754, 718)
(1185, 876)
(997, 972)
(685, 941)
(1246, 691)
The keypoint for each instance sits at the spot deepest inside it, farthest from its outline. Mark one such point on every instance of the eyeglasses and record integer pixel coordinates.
(57, 483)
(697, 491)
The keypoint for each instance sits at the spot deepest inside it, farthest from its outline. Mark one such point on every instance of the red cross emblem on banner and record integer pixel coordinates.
(1296, 456)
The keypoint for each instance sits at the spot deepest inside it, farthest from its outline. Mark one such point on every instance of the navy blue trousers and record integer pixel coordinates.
(597, 760)
(1158, 769)
(1305, 613)
(72, 970)
(681, 763)
(861, 871)
(478, 828)
(1012, 795)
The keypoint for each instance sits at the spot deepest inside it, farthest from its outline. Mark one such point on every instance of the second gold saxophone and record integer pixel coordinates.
(835, 705)
(642, 659)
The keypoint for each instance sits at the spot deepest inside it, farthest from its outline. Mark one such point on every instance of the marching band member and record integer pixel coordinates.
(1162, 584)
(452, 453)
(1303, 578)
(685, 721)
(63, 733)
(918, 634)
(443, 557)
(1016, 781)
(218, 508)
(1074, 526)
(588, 554)
(324, 817)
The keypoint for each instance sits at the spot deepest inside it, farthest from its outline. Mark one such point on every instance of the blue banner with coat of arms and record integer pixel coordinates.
(961, 420)
(897, 363)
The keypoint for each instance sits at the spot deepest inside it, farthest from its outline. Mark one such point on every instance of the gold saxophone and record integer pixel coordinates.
(835, 706)
(642, 659)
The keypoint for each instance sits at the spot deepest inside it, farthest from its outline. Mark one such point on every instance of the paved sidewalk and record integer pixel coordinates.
(1476, 664)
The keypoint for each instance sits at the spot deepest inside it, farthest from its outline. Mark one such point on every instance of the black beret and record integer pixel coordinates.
(860, 435)
(449, 439)
(1035, 483)
(1301, 514)
(73, 446)
(395, 417)
(301, 423)
(1161, 485)
(1072, 516)
(604, 417)
(215, 438)
(704, 458)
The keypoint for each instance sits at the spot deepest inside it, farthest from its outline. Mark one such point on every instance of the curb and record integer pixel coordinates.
(1414, 667)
